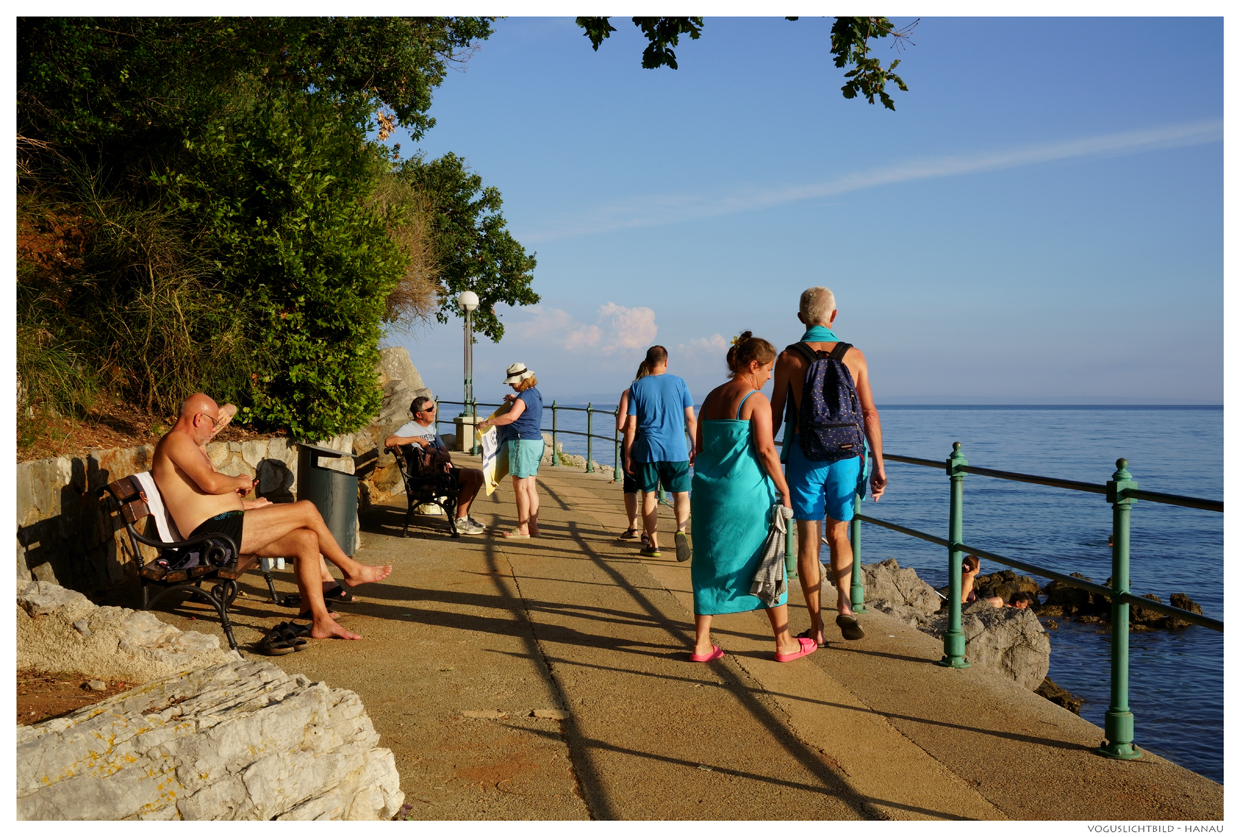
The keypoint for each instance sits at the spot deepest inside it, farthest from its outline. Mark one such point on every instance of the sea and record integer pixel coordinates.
(1175, 677)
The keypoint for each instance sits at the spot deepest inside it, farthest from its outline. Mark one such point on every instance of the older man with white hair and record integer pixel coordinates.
(825, 476)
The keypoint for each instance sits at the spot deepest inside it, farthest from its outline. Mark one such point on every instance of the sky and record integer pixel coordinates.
(1039, 221)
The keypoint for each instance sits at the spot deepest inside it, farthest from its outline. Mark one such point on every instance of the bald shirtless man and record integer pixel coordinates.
(818, 488)
(203, 501)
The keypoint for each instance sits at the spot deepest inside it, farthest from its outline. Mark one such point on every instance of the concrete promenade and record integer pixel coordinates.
(470, 640)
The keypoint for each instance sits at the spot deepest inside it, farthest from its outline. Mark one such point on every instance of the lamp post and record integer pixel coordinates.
(468, 300)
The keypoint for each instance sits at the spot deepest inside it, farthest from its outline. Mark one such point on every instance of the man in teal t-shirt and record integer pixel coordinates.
(663, 410)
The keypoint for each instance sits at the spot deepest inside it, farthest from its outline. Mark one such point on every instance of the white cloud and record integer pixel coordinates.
(656, 210)
(616, 330)
(714, 346)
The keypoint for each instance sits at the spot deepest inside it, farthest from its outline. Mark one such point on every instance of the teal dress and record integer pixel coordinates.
(730, 508)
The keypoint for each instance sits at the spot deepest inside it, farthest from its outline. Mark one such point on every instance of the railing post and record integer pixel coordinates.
(1117, 724)
(477, 447)
(436, 413)
(555, 455)
(589, 437)
(857, 594)
(953, 640)
(619, 474)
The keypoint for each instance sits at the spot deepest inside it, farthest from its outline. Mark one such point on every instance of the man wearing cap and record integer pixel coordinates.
(525, 445)
(660, 452)
(420, 432)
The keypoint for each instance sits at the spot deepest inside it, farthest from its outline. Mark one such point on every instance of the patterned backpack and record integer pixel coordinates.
(830, 421)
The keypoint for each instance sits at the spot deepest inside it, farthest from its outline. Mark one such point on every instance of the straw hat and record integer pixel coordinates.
(517, 373)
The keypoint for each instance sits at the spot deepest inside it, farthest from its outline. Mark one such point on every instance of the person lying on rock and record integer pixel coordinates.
(969, 569)
(202, 501)
(420, 432)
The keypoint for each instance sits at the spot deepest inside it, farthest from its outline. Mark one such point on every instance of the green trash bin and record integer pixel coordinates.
(333, 492)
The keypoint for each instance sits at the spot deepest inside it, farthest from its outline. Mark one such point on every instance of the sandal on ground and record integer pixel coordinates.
(650, 552)
(295, 629)
(290, 600)
(338, 594)
(715, 653)
(512, 535)
(849, 627)
(275, 644)
(808, 633)
(808, 646)
(628, 535)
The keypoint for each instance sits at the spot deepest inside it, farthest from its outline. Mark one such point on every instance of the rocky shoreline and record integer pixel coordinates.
(1013, 641)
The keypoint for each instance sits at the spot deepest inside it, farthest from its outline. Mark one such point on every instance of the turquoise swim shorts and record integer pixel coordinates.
(524, 456)
(819, 487)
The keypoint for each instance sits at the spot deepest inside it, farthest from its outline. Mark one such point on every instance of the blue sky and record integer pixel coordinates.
(1040, 220)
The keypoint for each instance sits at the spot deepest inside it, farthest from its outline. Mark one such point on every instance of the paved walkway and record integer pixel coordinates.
(471, 640)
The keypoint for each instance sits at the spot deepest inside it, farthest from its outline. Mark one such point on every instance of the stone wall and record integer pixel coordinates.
(66, 537)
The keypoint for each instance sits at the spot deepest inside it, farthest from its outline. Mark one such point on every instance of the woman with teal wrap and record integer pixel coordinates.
(736, 477)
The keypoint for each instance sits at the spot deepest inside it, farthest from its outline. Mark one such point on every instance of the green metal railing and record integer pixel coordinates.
(590, 410)
(1121, 492)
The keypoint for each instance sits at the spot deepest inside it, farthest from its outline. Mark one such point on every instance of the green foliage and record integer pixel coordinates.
(849, 44)
(473, 247)
(850, 38)
(282, 186)
(235, 236)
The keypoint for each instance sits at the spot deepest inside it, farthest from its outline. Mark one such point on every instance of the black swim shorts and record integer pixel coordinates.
(228, 523)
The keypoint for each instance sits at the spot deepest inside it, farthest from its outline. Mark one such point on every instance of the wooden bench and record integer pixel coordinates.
(182, 565)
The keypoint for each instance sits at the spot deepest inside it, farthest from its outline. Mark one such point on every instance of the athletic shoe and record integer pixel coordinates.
(465, 526)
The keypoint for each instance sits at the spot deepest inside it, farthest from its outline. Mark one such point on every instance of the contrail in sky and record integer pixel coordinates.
(655, 210)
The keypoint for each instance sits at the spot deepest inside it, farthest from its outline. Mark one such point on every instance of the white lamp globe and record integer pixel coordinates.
(468, 300)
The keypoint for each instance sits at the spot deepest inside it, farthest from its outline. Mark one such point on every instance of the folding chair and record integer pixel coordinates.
(182, 565)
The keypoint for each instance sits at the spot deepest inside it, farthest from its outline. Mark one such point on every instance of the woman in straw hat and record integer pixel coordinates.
(525, 445)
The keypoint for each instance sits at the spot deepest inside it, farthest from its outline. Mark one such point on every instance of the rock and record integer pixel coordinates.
(39, 598)
(901, 588)
(241, 740)
(112, 643)
(485, 714)
(97, 685)
(1061, 599)
(551, 714)
(1008, 639)
(1003, 584)
(910, 616)
(1050, 625)
(1140, 617)
(1053, 692)
(1183, 602)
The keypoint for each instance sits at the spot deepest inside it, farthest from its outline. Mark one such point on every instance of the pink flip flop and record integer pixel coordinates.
(715, 653)
(808, 646)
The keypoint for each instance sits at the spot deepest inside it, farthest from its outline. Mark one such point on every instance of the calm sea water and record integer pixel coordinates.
(1176, 679)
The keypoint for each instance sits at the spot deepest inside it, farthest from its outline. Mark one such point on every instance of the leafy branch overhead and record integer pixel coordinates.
(850, 44)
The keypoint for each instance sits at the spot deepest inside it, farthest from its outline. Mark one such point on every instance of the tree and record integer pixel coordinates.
(473, 247)
(850, 44)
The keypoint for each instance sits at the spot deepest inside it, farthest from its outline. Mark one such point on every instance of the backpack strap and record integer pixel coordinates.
(841, 348)
(804, 350)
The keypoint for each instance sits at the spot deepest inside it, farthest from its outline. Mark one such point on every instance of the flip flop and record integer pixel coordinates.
(513, 535)
(290, 600)
(808, 646)
(628, 535)
(683, 551)
(808, 633)
(274, 644)
(338, 593)
(715, 653)
(650, 552)
(849, 627)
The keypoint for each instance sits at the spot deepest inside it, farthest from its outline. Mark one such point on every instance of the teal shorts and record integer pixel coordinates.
(674, 476)
(524, 456)
(821, 487)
